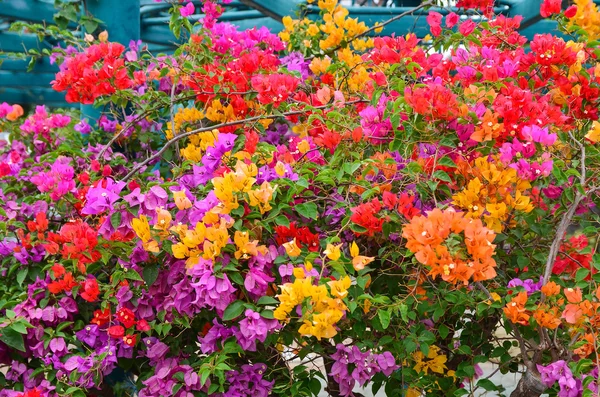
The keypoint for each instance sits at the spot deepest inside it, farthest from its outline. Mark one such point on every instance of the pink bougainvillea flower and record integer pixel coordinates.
(187, 10)
(434, 19)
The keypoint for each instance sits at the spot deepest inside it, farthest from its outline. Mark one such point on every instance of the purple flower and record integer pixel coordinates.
(83, 127)
(101, 199)
(88, 334)
(155, 198)
(529, 285)
(254, 328)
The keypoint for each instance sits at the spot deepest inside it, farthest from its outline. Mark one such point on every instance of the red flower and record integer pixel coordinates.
(467, 27)
(97, 71)
(390, 200)
(116, 331)
(142, 325)
(90, 290)
(4, 169)
(571, 11)
(31, 393)
(126, 317)
(66, 284)
(274, 88)
(251, 140)
(101, 317)
(451, 20)
(40, 224)
(79, 241)
(130, 339)
(58, 270)
(364, 216)
(550, 7)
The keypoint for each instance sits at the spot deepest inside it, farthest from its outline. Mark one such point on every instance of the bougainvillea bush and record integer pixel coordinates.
(314, 211)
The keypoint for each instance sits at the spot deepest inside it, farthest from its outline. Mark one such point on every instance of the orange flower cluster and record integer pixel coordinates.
(515, 309)
(576, 312)
(454, 247)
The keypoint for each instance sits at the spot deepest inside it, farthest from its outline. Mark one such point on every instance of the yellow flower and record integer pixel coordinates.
(292, 248)
(594, 132)
(163, 222)
(288, 23)
(180, 251)
(181, 200)
(358, 261)
(339, 288)
(245, 248)
(333, 251)
(260, 197)
(436, 362)
(142, 228)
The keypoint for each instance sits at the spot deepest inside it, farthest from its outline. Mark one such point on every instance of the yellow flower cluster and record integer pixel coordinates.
(335, 29)
(587, 18)
(206, 240)
(184, 116)
(197, 144)
(434, 361)
(218, 113)
(494, 192)
(321, 308)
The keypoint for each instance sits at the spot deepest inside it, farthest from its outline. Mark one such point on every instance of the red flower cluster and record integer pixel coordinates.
(570, 259)
(404, 204)
(90, 290)
(31, 393)
(484, 5)
(101, 317)
(78, 241)
(550, 7)
(274, 88)
(40, 224)
(434, 102)
(97, 71)
(301, 234)
(63, 280)
(364, 216)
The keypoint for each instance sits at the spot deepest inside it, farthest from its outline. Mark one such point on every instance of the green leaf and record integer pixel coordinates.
(443, 330)
(21, 276)
(581, 274)
(115, 219)
(487, 384)
(267, 300)
(233, 310)
(150, 274)
(282, 220)
(384, 318)
(447, 162)
(442, 175)
(307, 210)
(132, 275)
(20, 328)
(204, 377)
(12, 338)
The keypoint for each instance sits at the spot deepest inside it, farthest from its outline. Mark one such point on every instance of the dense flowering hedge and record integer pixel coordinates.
(255, 207)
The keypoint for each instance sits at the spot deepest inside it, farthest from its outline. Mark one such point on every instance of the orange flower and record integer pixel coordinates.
(551, 289)
(461, 261)
(587, 348)
(572, 313)
(547, 319)
(573, 295)
(17, 111)
(515, 309)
